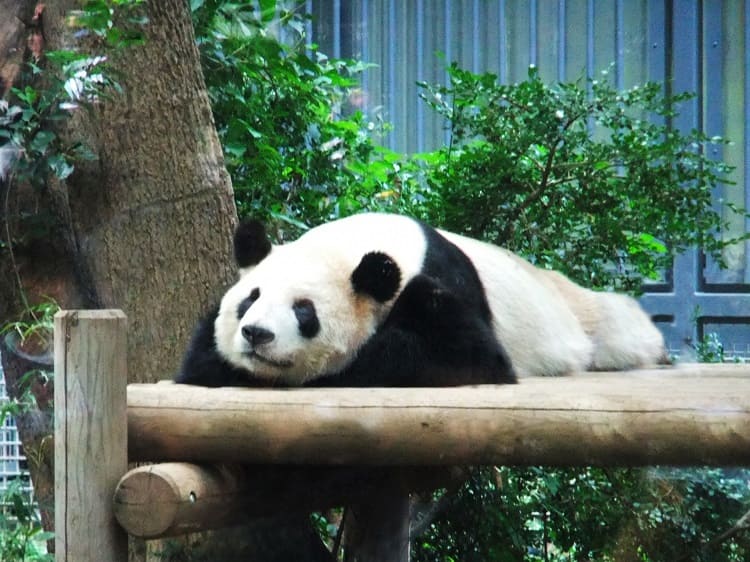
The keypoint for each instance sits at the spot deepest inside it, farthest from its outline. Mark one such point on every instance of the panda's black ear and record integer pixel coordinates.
(251, 244)
(377, 275)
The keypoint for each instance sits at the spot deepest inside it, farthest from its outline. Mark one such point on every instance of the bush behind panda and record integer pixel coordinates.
(385, 300)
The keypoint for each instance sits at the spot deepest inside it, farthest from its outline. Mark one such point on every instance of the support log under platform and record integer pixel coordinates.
(688, 415)
(169, 499)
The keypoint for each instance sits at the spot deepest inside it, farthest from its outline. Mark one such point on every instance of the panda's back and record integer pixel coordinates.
(534, 323)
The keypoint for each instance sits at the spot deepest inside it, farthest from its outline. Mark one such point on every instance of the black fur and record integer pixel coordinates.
(376, 275)
(204, 366)
(438, 333)
(430, 338)
(307, 318)
(246, 303)
(251, 244)
(446, 262)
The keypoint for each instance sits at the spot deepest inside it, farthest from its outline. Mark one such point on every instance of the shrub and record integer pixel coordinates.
(579, 177)
(296, 143)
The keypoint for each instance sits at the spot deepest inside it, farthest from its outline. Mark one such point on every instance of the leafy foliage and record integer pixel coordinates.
(579, 177)
(536, 514)
(296, 143)
(21, 535)
(38, 322)
(576, 176)
(118, 24)
(57, 84)
(54, 84)
(27, 125)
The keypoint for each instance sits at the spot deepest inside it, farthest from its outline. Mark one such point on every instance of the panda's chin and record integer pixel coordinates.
(279, 364)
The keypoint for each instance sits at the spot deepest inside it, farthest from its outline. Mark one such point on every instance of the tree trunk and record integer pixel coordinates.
(17, 15)
(146, 227)
(152, 217)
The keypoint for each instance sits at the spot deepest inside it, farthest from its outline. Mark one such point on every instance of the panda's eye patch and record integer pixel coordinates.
(247, 303)
(307, 318)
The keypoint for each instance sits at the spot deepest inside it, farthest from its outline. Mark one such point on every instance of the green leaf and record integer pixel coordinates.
(60, 166)
(267, 10)
(236, 150)
(41, 141)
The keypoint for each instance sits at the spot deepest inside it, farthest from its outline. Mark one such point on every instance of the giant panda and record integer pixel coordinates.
(373, 300)
(384, 300)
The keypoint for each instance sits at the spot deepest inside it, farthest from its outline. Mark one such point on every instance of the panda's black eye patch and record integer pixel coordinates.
(307, 318)
(247, 303)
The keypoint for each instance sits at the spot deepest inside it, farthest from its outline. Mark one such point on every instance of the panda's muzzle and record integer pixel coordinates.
(255, 335)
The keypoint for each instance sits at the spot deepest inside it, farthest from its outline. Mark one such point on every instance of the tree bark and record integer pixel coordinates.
(15, 28)
(146, 227)
(152, 217)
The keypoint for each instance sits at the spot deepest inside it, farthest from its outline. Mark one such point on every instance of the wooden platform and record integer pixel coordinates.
(697, 414)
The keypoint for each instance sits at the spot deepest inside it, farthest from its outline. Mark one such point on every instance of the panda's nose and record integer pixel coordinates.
(257, 335)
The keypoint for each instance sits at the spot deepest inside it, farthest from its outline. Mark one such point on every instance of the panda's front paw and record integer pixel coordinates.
(425, 301)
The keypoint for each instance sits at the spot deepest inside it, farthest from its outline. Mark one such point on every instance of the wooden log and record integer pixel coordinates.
(169, 499)
(688, 415)
(90, 433)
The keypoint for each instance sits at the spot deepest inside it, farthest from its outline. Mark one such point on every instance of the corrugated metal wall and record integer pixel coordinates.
(689, 45)
(413, 41)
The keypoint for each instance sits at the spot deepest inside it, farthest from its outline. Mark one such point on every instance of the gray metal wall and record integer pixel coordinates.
(689, 45)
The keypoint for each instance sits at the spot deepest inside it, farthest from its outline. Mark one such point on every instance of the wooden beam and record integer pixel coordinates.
(688, 415)
(169, 499)
(90, 433)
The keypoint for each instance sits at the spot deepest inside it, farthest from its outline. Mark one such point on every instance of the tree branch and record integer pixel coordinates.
(544, 183)
(742, 524)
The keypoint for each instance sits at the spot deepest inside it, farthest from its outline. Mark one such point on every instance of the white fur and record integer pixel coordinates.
(622, 334)
(547, 324)
(536, 327)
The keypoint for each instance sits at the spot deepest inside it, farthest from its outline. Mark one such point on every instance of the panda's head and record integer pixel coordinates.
(300, 310)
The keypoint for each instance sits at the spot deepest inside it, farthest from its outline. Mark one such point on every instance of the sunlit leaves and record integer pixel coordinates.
(577, 176)
(296, 142)
(71, 79)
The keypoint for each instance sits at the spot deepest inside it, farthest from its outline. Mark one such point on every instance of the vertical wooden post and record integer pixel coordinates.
(378, 530)
(90, 433)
